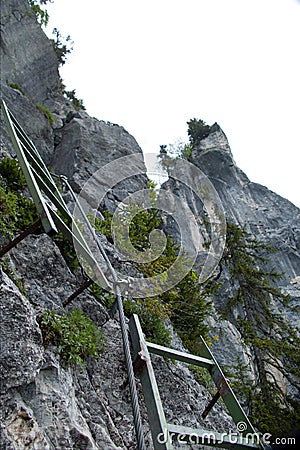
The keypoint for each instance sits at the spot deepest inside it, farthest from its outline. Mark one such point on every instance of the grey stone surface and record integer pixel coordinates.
(21, 350)
(27, 55)
(44, 403)
(267, 216)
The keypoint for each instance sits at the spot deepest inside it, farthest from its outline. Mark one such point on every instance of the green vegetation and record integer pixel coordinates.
(46, 111)
(186, 304)
(76, 102)
(197, 130)
(203, 377)
(12, 175)
(17, 212)
(74, 334)
(62, 46)
(274, 343)
(40, 14)
(152, 314)
(15, 86)
(170, 153)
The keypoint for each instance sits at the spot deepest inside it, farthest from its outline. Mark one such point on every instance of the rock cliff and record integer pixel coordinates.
(267, 216)
(45, 403)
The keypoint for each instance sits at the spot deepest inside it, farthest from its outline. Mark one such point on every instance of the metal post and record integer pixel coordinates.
(36, 226)
(75, 294)
(156, 415)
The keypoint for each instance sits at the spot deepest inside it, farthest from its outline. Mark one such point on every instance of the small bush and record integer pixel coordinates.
(75, 335)
(197, 130)
(46, 111)
(16, 212)
(62, 46)
(13, 176)
(40, 14)
(15, 86)
(76, 102)
(152, 314)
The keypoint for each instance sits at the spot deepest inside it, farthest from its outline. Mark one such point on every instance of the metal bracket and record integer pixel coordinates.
(36, 226)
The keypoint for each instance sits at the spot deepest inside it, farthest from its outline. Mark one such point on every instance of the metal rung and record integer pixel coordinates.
(179, 356)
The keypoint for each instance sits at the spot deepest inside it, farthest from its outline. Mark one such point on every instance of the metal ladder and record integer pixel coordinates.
(163, 433)
(54, 216)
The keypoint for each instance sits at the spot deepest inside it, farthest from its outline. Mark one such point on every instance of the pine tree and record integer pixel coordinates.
(257, 306)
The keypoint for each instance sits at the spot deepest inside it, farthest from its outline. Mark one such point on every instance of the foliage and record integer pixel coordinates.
(62, 46)
(67, 250)
(13, 176)
(103, 225)
(66, 247)
(76, 102)
(46, 111)
(274, 343)
(75, 335)
(152, 314)
(170, 153)
(197, 130)
(203, 377)
(40, 14)
(17, 212)
(186, 304)
(105, 298)
(15, 86)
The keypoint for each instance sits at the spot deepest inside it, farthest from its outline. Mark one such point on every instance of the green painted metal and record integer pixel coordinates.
(179, 356)
(163, 433)
(38, 199)
(156, 415)
(236, 411)
(54, 213)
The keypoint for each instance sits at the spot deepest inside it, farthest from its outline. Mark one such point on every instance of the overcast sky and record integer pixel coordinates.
(150, 66)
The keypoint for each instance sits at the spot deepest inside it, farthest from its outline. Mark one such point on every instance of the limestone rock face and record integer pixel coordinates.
(21, 350)
(83, 145)
(267, 216)
(27, 55)
(44, 403)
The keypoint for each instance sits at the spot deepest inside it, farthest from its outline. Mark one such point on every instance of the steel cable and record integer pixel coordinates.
(126, 346)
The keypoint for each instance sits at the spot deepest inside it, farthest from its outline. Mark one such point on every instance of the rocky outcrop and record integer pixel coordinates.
(27, 56)
(267, 216)
(83, 145)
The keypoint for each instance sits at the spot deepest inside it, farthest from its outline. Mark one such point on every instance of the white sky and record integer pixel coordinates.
(150, 66)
